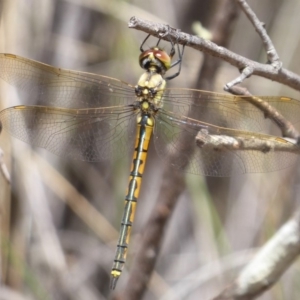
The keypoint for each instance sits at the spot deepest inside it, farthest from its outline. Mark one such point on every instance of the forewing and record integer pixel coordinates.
(225, 110)
(42, 84)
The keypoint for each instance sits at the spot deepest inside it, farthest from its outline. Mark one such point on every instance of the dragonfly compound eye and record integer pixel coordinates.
(156, 59)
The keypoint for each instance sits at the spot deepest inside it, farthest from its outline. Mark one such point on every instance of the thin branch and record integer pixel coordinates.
(225, 142)
(158, 30)
(246, 73)
(3, 168)
(268, 265)
(260, 29)
(272, 55)
(286, 127)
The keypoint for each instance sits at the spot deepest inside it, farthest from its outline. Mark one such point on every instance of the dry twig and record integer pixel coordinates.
(268, 265)
(272, 55)
(283, 76)
(3, 168)
(286, 127)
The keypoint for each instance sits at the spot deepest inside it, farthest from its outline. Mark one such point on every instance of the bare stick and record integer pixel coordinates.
(268, 265)
(283, 76)
(246, 73)
(286, 127)
(272, 55)
(225, 142)
(260, 29)
(3, 168)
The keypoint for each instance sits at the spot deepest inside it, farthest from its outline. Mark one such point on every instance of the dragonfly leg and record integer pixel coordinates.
(147, 37)
(179, 61)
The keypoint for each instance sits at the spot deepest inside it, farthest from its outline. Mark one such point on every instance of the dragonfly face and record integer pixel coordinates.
(88, 117)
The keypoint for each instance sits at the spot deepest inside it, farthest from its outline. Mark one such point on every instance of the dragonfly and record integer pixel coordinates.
(92, 117)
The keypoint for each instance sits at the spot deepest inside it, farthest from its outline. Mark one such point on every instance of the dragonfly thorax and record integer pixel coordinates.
(150, 87)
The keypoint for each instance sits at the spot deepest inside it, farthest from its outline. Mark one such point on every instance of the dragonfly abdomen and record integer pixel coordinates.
(143, 135)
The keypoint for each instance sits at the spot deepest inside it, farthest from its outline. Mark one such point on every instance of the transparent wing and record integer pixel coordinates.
(42, 84)
(176, 134)
(84, 134)
(226, 110)
(212, 112)
(100, 131)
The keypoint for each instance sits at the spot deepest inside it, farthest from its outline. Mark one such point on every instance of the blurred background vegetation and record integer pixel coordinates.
(60, 219)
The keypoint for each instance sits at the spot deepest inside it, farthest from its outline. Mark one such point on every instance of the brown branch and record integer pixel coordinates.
(272, 55)
(225, 142)
(245, 73)
(268, 265)
(260, 29)
(3, 168)
(283, 76)
(286, 127)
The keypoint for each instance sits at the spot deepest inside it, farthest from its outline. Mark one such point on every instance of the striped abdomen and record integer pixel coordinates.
(144, 131)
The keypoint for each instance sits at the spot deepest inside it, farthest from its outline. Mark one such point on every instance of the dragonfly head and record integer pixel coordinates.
(155, 60)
